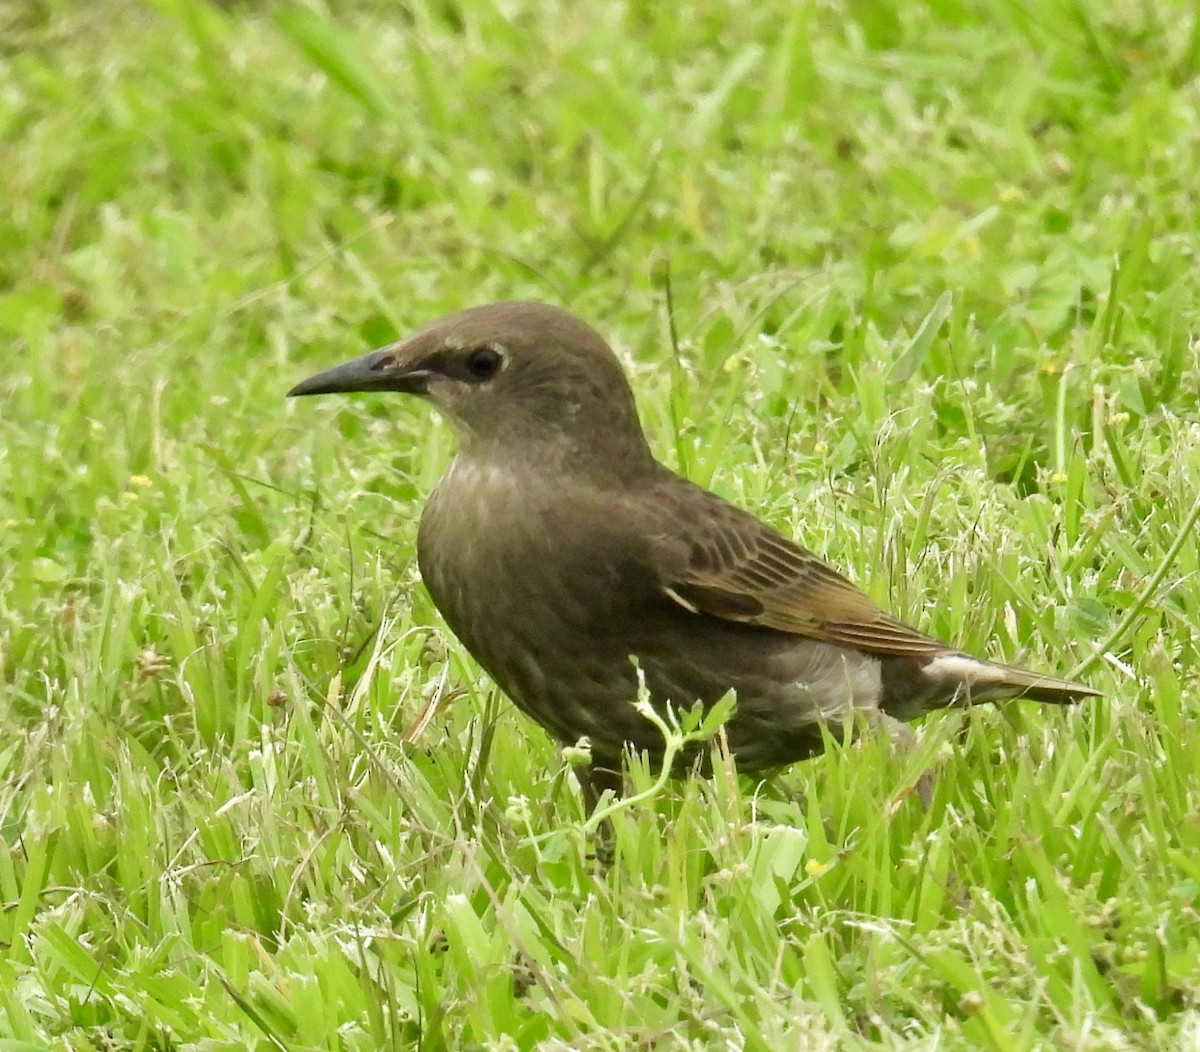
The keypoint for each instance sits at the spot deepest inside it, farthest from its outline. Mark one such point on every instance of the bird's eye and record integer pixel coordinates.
(484, 363)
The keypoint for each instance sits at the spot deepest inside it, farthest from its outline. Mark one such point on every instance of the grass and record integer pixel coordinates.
(933, 275)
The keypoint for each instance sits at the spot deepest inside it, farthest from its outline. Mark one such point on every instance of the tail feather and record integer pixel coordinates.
(974, 680)
(912, 688)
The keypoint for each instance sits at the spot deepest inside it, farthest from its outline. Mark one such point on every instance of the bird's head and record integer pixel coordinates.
(521, 375)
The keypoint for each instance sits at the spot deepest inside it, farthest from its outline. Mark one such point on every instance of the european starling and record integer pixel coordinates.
(566, 558)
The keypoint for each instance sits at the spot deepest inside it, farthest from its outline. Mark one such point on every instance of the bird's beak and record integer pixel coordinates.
(383, 370)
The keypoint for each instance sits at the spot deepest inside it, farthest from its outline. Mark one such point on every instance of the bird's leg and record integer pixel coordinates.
(594, 780)
(597, 777)
(903, 739)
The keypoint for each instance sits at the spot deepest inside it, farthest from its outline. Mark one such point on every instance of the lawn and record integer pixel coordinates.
(915, 282)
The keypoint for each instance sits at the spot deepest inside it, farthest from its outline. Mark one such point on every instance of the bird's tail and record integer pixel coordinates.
(973, 680)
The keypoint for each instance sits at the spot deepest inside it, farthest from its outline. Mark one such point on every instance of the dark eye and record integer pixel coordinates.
(484, 363)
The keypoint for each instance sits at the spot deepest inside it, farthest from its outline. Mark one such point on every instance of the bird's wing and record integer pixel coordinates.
(725, 563)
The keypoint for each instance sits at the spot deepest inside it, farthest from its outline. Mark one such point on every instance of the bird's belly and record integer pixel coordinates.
(786, 687)
(577, 676)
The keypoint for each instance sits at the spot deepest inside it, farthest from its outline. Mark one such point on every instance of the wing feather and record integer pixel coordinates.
(734, 567)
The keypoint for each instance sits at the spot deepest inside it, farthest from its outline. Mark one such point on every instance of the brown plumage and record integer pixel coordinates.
(559, 551)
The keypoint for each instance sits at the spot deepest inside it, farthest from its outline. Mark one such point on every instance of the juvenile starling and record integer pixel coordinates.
(561, 552)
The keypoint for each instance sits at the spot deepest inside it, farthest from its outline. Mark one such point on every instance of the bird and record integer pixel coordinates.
(577, 569)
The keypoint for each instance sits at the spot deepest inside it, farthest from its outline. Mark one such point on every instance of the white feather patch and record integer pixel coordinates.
(958, 668)
(691, 607)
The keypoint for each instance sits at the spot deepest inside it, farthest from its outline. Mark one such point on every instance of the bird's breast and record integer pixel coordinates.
(505, 552)
(544, 603)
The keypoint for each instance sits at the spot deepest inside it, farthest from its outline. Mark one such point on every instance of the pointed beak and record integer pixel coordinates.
(381, 370)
